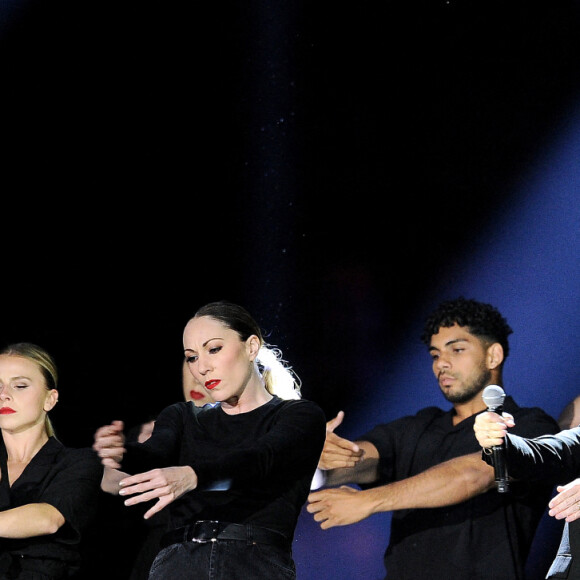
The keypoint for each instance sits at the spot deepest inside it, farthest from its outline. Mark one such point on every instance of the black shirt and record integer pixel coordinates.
(69, 480)
(251, 467)
(487, 536)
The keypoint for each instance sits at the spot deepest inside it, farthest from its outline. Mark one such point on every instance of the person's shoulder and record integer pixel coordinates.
(570, 415)
(299, 406)
(421, 416)
(289, 403)
(510, 406)
(180, 408)
(530, 416)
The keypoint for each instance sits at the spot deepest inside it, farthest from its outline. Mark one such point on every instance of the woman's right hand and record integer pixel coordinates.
(110, 444)
(491, 428)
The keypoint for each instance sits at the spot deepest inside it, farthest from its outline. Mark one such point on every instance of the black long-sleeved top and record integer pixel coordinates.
(251, 467)
(66, 478)
(554, 459)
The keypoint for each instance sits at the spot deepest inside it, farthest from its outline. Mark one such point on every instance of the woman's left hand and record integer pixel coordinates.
(167, 484)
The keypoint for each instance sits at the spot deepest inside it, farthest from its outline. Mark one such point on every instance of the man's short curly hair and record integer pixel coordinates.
(483, 320)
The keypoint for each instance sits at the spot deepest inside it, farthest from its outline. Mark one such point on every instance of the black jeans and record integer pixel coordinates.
(209, 558)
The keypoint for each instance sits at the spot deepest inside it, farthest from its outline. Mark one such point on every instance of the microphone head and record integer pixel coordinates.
(493, 396)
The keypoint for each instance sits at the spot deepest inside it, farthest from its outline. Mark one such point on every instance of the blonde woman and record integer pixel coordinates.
(47, 491)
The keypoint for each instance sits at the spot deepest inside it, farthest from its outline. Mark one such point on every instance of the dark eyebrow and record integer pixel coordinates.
(204, 344)
(450, 342)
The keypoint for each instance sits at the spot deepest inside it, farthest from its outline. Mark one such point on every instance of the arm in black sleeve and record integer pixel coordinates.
(554, 458)
(75, 487)
(162, 448)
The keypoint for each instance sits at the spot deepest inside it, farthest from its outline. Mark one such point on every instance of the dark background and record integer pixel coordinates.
(337, 168)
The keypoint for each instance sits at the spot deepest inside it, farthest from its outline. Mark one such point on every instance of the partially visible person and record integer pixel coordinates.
(570, 415)
(448, 519)
(233, 475)
(48, 492)
(192, 391)
(552, 458)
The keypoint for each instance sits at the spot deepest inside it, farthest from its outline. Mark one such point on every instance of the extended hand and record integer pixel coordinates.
(339, 506)
(338, 452)
(166, 484)
(566, 504)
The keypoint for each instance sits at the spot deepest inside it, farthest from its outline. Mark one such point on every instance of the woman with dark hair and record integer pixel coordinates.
(234, 474)
(48, 492)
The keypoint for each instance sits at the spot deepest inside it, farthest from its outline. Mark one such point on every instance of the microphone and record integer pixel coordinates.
(493, 396)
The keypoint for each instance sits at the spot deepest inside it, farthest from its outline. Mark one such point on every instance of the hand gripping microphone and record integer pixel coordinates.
(493, 396)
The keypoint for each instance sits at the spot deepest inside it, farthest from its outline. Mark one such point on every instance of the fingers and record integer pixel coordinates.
(338, 452)
(109, 444)
(148, 485)
(141, 477)
(334, 423)
(566, 504)
(313, 499)
(508, 419)
(490, 429)
(153, 493)
(163, 501)
(144, 487)
(340, 445)
(336, 507)
(109, 436)
(568, 509)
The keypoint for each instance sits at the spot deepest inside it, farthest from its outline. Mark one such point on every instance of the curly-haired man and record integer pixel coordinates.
(448, 519)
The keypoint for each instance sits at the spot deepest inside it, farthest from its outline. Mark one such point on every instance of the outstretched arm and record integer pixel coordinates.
(448, 483)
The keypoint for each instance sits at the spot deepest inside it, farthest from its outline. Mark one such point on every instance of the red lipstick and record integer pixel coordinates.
(6, 411)
(212, 384)
(196, 395)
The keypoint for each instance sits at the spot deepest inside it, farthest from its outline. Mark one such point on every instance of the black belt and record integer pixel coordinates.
(211, 531)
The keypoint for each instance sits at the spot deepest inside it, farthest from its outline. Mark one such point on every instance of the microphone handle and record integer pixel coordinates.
(498, 459)
(501, 476)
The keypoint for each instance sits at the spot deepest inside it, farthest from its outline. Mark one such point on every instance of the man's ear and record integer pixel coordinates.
(494, 355)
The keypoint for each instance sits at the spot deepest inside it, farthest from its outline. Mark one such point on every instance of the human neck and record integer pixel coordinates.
(21, 447)
(465, 410)
(250, 399)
